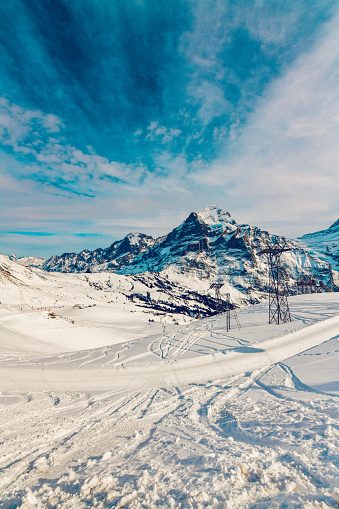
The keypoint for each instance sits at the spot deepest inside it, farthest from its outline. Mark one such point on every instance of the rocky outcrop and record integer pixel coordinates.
(324, 244)
(117, 255)
(207, 246)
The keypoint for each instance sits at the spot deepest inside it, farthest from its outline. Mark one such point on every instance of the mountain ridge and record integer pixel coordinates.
(324, 244)
(207, 246)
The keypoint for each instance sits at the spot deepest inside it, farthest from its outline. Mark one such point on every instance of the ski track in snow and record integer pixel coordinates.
(198, 446)
(186, 418)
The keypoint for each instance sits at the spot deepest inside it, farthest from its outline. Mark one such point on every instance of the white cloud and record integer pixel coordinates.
(161, 133)
(29, 133)
(284, 162)
(212, 101)
(20, 128)
(281, 172)
(202, 47)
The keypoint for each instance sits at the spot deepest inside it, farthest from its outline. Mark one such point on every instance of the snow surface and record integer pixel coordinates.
(99, 407)
(324, 243)
(213, 215)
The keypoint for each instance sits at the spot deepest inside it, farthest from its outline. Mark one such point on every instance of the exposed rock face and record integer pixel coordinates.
(119, 254)
(207, 246)
(324, 244)
(204, 242)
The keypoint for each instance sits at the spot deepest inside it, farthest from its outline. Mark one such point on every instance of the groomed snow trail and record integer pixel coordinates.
(55, 377)
(141, 424)
(251, 441)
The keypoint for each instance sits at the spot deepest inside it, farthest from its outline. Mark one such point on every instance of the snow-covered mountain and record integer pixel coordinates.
(325, 244)
(149, 292)
(28, 261)
(93, 385)
(118, 255)
(207, 246)
(98, 371)
(13, 272)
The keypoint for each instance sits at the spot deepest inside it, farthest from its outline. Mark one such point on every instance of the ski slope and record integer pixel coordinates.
(95, 372)
(165, 414)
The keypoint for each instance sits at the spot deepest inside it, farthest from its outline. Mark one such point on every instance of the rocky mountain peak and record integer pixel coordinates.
(207, 245)
(136, 238)
(213, 215)
(324, 243)
(335, 226)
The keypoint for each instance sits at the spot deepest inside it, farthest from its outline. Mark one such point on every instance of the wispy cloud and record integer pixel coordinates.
(236, 51)
(162, 133)
(28, 234)
(21, 128)
(286, 157)
(48, 159)
(133, 114)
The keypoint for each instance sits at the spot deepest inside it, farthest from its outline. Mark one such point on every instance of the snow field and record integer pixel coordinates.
(127, 366)
(249, 442)
(101, 408)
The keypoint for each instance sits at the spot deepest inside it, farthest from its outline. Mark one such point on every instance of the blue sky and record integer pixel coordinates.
(127, 115)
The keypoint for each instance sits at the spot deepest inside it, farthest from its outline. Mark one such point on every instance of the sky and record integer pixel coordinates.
(127, 115)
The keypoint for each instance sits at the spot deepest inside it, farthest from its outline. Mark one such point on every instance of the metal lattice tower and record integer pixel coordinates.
(228, 308)
(228, 312)
(331, 276)
(216, 287)
(278, 306)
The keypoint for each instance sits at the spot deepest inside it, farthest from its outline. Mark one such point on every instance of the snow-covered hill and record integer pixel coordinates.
(325, 244)
(207, 246)
(111, 395)
(26, 288)
(28, 261)
(188, 417)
